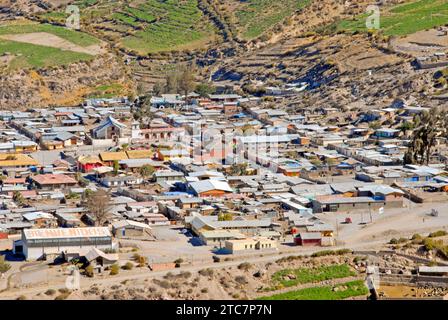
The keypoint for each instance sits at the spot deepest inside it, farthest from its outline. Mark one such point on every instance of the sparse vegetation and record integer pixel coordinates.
(114, 269)
(128, 266)
(331, 253)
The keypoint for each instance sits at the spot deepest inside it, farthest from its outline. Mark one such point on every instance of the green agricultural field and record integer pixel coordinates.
(338, 292)
(167, 25)
(308, 275)
(35, 55)
(254, 17)
(146, 26)
(404, 19)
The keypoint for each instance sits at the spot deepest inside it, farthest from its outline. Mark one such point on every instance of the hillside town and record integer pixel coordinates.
(192, 179)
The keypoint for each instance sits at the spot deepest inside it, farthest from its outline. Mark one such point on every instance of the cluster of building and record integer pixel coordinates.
(240, 173)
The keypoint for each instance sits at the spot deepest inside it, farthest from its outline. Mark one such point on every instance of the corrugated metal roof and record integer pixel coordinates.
(60, 233)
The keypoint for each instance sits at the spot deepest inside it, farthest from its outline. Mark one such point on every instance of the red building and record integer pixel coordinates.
(88, 163)
(308, 239)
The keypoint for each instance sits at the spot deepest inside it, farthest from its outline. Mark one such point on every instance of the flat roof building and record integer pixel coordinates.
(38, 243)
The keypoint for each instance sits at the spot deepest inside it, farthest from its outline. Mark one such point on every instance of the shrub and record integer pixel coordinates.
(439, 233)
(185, 274)
(206, 272)
(21, 297)
(241, 279)
(393, 241)
(62, 296)
(128, 266)
(50, 292)
(141, 261)
(245, 266)
(89, 271)
(162, 283)
(178, 262)
(114, 269)
(331, 253)
(430, 244)
(136, 257)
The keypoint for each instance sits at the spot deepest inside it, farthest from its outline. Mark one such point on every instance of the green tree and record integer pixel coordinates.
(83, 182)
(225, 217)
(205, 89)
(146, 171)
(406, 126)
(116, 167)
(375, 125)
(428, 128)
(18, 198)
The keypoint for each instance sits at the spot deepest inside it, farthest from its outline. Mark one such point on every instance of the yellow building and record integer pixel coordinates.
(16, 160)
(109, 157)
(250, 244)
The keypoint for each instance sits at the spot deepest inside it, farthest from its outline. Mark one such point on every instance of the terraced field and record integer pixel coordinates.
(31, 45)
(171, 24)
(404, 19)
(145, 26)
(254, 17)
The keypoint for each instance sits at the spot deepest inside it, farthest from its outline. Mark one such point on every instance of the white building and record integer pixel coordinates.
(38, 243)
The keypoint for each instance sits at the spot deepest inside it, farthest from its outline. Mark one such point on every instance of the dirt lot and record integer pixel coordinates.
(422, 43)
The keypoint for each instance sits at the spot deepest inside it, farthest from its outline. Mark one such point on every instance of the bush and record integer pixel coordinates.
(141, 260)
(339, 252)
(393, 241)
(114, 269)
(241, 279)
(245, 266)
(431, 244)
(178, 262)
(89, 271)
(50, 292)
(21, 297)
(206, 272)
(439, 233)
(62, 296)
(128, 266)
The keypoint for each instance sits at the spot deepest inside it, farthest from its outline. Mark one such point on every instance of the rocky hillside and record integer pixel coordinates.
(59, 86)
(251, 43)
